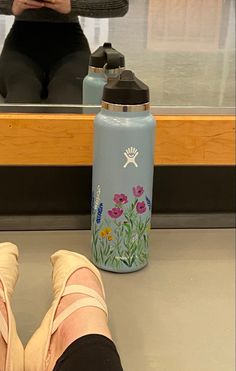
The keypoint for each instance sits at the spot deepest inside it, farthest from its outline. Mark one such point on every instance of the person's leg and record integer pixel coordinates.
(84, 334)
(21, 80)
(84, 321)
(3, 345)
(11, 349)
(66, 79)
(21, 69)
(77, 320)
(90, 353)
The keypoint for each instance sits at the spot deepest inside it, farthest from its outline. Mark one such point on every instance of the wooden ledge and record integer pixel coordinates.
(67, 139)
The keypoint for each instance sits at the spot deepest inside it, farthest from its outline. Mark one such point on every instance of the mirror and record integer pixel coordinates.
(182, 49)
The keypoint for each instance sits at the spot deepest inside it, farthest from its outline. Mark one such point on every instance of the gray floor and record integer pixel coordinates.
(177, 314)
(183, 49)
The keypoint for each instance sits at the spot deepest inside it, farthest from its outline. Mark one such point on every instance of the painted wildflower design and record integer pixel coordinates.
(120, 234)
(99, 213)
(115, 213)
(120, 199)
(141, 207)
(138, 191)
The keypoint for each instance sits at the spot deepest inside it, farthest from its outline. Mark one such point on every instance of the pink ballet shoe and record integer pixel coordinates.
(8, 278)
(65, 263)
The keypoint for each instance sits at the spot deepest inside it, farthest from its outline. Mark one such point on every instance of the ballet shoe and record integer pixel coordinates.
(65, 263)
(8, 278)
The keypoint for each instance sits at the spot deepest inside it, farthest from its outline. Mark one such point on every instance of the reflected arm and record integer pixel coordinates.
(100, 8)
(84, 8)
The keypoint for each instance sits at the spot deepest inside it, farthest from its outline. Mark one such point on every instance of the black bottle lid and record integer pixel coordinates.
(106, 55)
(126, 89)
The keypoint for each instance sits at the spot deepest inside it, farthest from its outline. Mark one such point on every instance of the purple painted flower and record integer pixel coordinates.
(148, 202)
(99, 214)
(115, 213)
(138, 191)
(120, 199)
(141, 207)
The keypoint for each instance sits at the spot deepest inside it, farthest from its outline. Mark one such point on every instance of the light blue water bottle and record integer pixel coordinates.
(105, 62)
(122, 176)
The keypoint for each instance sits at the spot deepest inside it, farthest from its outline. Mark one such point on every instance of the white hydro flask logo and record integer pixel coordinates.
(131, 153)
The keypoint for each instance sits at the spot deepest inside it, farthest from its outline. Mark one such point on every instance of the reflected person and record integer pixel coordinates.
(46, 54)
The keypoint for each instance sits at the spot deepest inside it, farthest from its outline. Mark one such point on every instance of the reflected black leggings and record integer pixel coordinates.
(90, 353)
(42, 60)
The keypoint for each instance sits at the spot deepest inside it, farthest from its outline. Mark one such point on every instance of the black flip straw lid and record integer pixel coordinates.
(107, 55)
(126, 89)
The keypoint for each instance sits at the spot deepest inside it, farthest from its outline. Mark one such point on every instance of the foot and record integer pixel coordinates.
(84, 321)
(3, 345)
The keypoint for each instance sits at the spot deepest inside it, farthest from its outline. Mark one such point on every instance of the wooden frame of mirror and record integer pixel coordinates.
(67, 140)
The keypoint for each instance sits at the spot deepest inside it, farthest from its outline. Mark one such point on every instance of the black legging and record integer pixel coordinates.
(90, 353)
(42, 60)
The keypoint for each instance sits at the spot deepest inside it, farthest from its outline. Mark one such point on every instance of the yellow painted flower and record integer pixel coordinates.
(102, 234)
(110, 238)
(105, 232)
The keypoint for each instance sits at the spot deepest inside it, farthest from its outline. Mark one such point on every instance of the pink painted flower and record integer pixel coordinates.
(120, 199)
(141, 207)
(115, 213)
(138, 191)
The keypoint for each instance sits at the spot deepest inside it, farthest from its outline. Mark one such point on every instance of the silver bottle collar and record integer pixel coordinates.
(105, 70)
(126, 108)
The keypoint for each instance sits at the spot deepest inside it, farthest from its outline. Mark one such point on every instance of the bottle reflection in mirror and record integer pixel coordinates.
(122, 176)
(104, 63)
